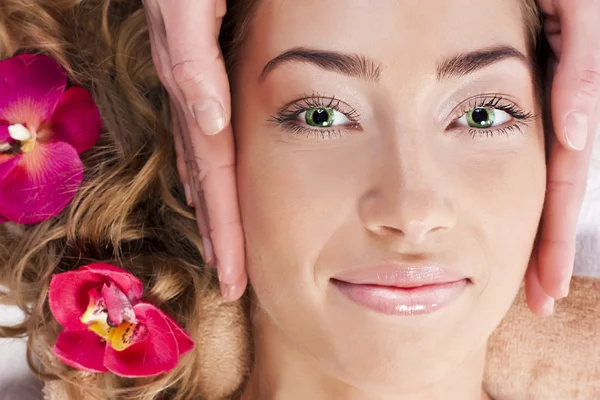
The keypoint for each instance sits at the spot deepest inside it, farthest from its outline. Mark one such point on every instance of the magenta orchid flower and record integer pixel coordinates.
(43, 128)
(108, 328)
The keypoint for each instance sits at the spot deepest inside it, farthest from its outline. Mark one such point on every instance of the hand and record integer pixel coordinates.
(188, 60)
(572, 29)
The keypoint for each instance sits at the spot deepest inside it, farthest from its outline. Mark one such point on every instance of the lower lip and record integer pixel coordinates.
(392, 300)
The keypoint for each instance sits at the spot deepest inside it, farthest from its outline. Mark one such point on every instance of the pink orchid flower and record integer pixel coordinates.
(43, 129)
(108, 328)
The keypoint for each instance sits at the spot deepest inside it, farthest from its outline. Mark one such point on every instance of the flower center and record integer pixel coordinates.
(24, 136)
(119, 334)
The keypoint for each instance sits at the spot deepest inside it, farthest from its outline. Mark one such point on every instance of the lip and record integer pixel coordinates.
(402, 290)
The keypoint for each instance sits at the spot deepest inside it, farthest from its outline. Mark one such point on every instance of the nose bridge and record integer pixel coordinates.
(411, 198)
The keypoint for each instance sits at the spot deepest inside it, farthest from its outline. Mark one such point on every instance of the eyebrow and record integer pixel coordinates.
(363, 67)
(467, 63)
(355, 65)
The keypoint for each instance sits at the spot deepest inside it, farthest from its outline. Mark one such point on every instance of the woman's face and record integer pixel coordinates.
(381, 145)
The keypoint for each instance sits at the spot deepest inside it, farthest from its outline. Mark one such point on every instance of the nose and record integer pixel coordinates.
(411, 203)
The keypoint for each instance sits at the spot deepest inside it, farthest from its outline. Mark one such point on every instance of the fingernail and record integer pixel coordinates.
(226, 290)
(188, 194)
(209, 117)
(208, 250)
(577, 130)
(230, 291)
(564, 288)
(548, 307)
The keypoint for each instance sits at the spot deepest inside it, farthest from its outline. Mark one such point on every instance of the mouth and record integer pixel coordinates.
(402, 291)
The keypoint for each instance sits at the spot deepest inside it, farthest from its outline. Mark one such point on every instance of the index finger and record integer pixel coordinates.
(215, 174)
(567, 178)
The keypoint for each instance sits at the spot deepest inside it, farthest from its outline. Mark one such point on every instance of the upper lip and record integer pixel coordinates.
(401, 276)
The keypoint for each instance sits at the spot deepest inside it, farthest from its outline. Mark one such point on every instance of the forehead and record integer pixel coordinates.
(398, 32)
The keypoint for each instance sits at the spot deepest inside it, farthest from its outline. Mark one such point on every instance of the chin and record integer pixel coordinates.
(377, 351)
(384, 371)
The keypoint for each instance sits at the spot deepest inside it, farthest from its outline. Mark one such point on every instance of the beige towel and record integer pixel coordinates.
(555, 358)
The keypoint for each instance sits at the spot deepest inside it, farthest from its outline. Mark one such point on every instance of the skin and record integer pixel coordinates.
(405, 183)
(571, 28)
(189, 63)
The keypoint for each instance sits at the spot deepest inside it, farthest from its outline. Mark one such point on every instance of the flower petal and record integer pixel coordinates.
(83, 350)
(4, 134)
(184, 341)
(77, 119)
(31, 85)
(42, 185)
(7, 166)
(118, 305)
(5, 143)
(69, 298)
(128, 283)
(155, 355)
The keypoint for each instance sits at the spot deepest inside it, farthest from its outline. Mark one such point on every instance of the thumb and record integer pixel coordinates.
(576, 86)
(197, 65)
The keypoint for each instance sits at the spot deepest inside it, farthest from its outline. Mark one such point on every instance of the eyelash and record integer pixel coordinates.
(497, 102)
(286, 117)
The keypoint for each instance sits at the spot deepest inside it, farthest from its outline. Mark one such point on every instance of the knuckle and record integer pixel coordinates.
(567, 188)
(560, 187)
(201, 169)
(194, 71)
(226, 225)
(588, 80)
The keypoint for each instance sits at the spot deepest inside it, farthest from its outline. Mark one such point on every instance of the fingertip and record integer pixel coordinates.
(576, 131)
(556, 259)
(210, 116)
(233, 292)
(209, 254)
(230, 275)
(555, 281)
(547, 308)
(188, 194)
(537, 300)
(229, 252)
(563, 288)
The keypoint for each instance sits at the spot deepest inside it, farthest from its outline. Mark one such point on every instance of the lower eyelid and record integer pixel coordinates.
(491, 133)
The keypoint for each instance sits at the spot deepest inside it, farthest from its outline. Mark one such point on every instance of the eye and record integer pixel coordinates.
(484, 118)
(323, 117)
(318, 116)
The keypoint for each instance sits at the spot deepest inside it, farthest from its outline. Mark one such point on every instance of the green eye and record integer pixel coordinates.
(482, 117)
(320, 117)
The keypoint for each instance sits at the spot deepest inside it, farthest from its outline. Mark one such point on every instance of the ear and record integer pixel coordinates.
(548, 358)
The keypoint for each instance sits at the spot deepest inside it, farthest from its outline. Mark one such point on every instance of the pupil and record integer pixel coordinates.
(481, 116)
(321, 116)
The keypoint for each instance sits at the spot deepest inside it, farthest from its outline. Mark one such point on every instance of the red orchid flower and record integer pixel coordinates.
(108, 328)
(43, 128)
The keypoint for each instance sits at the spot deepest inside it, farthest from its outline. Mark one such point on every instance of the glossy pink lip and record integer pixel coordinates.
(397, 290)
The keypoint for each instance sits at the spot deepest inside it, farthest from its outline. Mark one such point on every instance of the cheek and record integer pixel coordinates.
(506, 203)
(284, 213)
